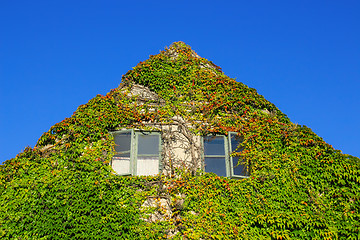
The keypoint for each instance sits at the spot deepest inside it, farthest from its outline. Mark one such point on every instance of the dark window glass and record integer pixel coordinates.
(239, 169)
(234, 142)
(216, 165)
(122, 141)
(148, 144)
(123, 155)
(214, 145)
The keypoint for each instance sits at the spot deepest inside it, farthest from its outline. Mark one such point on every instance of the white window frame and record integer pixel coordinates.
(134, 138)
(229, 163)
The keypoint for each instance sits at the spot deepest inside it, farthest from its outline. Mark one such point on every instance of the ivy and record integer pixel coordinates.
(300, 187)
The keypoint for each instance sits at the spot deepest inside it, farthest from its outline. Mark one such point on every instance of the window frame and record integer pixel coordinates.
(134, 146)
(229, 163)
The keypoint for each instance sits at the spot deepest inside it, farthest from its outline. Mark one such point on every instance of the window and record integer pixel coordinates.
(136, 153)
(218, 158)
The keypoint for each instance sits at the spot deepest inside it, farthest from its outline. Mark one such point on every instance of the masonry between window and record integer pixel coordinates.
(139, 153)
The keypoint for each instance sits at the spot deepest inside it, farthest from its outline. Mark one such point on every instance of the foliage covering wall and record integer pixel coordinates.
(64, 188)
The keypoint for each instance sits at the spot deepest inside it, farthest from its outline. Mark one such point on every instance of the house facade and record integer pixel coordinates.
(163, 147)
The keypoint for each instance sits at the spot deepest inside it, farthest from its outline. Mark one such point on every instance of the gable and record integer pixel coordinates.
(300, 187)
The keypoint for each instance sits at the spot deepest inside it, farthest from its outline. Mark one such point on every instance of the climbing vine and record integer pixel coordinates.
(300, 187)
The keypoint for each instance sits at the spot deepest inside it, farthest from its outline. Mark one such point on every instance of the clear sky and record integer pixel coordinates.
(303, 56)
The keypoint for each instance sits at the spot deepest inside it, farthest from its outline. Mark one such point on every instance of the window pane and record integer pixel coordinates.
(215, 165)
(147, 166)
(235, 141)
(121, 163)
(214, 145)
(122, 141)
(148, 144)
(240, 169)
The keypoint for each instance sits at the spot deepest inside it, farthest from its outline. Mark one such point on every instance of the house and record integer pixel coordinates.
(177, 111)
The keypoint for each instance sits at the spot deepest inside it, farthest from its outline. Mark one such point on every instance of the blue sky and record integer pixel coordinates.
(303, 56)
